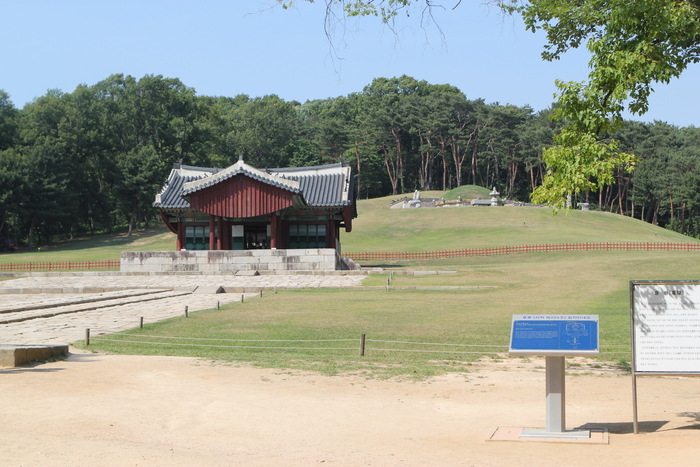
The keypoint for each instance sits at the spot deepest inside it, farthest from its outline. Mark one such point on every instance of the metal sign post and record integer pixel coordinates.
(555, 337)
(556, 395)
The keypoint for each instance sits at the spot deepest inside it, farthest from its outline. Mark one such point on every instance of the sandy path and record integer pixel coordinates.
(124, 411)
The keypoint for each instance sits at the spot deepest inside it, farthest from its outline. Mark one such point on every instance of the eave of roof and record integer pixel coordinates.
(169, 196)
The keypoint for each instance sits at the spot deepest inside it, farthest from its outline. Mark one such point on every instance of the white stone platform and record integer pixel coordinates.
(230, 261)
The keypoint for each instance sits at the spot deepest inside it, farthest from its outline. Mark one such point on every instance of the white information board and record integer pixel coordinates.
(665, 326)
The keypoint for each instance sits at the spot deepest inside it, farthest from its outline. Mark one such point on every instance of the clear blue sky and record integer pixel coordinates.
(231, 47)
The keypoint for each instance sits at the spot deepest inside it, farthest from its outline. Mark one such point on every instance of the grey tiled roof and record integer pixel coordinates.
(320, 186)
(324, 185)
(170, 195)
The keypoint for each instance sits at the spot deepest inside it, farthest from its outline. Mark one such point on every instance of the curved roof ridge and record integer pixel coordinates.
(241, 167)
(169, 194)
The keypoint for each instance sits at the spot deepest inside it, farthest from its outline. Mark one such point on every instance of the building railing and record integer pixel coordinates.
(60, 266)
(509, 250)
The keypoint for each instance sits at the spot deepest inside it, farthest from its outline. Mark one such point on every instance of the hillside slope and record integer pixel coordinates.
(379, 228)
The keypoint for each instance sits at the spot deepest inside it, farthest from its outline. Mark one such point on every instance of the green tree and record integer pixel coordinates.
(149, 124)
(365, 147)
(322, 136)
(215, 130)
(46, 200)
(664, 187)
(140, 175)
(88, 145)
(392, 103)
(263, 130)
(442, 114)
(11, 187)
(9, 124)
(536, 134)
(9, 176)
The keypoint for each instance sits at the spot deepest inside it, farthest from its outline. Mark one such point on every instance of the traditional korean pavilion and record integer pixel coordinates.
(244, 208)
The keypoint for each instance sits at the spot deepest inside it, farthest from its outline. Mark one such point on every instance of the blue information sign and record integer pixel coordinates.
(554, 335)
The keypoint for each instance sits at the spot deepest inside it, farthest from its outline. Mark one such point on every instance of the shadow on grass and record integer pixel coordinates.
(104, 240)
(116, 239)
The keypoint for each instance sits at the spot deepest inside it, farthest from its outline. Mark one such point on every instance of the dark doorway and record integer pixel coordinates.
(256, 237)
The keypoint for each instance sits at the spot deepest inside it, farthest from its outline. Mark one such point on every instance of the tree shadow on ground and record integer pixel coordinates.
(625, 428)
(695, 416)
(27, 369)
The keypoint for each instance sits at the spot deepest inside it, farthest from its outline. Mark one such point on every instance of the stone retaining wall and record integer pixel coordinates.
(224, 261)
(16, 355)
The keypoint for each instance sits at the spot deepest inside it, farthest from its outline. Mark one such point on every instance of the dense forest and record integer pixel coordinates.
(92, 160)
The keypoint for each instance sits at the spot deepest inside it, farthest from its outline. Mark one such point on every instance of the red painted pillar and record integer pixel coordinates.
(347, 218)
(331, 235)
(219, 243)
(282, 238)
(212, 242)
(180, 235)
(274, 228)
(226, 235)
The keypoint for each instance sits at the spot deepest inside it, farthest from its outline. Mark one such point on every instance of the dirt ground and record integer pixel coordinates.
(99, 410)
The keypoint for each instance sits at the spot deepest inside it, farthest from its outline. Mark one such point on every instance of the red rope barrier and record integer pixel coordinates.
(541, 248)
(66, 266)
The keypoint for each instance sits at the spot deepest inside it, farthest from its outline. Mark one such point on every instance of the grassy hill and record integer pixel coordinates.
(467, 192)
(379, 228)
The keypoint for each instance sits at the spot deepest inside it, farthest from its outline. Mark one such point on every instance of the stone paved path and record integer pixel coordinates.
(178, 282)
(27, 323)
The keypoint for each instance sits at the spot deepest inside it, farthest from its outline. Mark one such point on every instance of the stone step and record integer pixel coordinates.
(16, 355)
(43, 304)
(19, 316)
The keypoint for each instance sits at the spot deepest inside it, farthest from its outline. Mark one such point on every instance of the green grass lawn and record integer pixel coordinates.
(97, 248)
(334, 319)
(550, 283)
